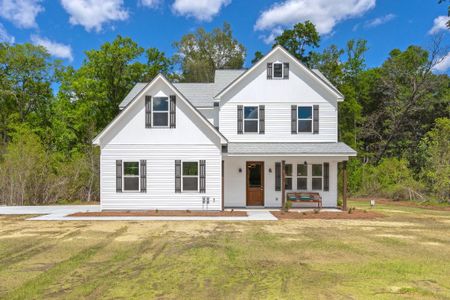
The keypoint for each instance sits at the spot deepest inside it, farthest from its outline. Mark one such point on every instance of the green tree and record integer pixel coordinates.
(201, 53)
(26, 74)
(157, 62)
(258, 56)
(299, 39)
(436, 169)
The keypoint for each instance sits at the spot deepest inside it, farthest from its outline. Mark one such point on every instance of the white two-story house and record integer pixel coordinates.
(245, 140)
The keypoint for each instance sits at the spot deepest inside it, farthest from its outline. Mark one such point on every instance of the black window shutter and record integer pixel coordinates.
(148, 111)
(316, 119)
(294, 119)
(277, 176)
(203, 176)
(240, 116)
(143, 172)
(173, 109)
(178, 176)
(286, 71)
(269, 70)
(118, 176)
(262, 119)
(326, 177)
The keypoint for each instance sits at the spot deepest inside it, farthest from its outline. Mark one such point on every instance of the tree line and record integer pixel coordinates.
(396, 115)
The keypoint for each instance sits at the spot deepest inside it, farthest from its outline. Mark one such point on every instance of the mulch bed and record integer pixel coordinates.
(402, 203)
(161, 213)
(326, 215)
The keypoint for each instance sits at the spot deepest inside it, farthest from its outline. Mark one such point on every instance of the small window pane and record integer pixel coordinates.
(304, 125)
(190, 168)
(316, 170)
(131, 183)
(305, 112)
(251, 125)
(302, 170)
(160, 119)
(190, 183)
(302, 184)
(131, 168)
(288, 184)
(317, 183)
(288, 169)
(251, 112)
(160, 104)
(278, 70)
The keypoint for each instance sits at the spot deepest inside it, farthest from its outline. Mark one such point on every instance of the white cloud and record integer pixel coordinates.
(22, 13)
(202, 10)
(5, 37)
(443, 65)
(54, 48)
(379, 21)
(150, 3)
(92, 14)
(324, 14)
(439, 23)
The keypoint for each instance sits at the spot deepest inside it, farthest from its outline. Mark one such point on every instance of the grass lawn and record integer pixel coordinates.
(404, 255)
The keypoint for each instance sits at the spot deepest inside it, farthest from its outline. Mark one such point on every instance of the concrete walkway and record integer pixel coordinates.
(61, 212)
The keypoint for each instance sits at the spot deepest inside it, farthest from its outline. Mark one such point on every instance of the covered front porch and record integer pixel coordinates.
(262, 174)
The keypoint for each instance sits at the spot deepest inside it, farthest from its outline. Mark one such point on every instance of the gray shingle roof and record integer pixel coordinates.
(291, 148)
(199, 94)
(134, 91)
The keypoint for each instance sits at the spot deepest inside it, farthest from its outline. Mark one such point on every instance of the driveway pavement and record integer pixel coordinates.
(61, 212)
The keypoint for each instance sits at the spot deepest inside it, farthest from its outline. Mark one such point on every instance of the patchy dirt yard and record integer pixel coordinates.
(402, 255)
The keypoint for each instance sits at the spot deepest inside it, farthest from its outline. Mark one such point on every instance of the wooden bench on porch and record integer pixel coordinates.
(304, 197)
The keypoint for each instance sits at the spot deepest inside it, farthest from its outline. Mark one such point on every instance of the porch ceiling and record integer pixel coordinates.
(297, 149)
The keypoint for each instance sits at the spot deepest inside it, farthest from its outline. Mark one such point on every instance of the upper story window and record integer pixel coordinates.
(190, 176)
(160, 112)
(251, 119)
(304, 119)
(130, 176)
(277, 70)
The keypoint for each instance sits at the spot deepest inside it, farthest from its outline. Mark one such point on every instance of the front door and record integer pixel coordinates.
(255, 183)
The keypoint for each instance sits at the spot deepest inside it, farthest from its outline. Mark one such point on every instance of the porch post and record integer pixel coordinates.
(283, 184)
(344, 185)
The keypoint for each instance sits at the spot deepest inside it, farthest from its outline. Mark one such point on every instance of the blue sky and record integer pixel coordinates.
(69, 27)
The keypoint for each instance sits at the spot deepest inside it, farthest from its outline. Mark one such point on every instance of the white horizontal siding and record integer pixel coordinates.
(278, 124)
(160, 177)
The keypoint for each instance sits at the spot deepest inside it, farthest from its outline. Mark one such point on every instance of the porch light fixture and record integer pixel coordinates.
(240, 170)
(270, 170)
(305, 163)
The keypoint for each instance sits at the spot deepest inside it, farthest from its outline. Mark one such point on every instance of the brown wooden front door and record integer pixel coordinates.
(255, 183)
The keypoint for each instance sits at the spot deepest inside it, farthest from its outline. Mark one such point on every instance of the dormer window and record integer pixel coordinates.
(278, 70)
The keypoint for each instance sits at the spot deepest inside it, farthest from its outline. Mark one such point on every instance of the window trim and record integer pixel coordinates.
(190, 176)
(244, 119)
(273, 70)
(131, 176)
(311, 119)
(313, 176)
(302, 176)
(161, 112)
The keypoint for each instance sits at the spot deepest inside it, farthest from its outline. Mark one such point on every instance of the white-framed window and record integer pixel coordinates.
(302, 177)
(189, 176)
(277, 70)
(288, 176)
(160, 111)
(130, 176)
(304, 119)
(251, 119)
(317, 174)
